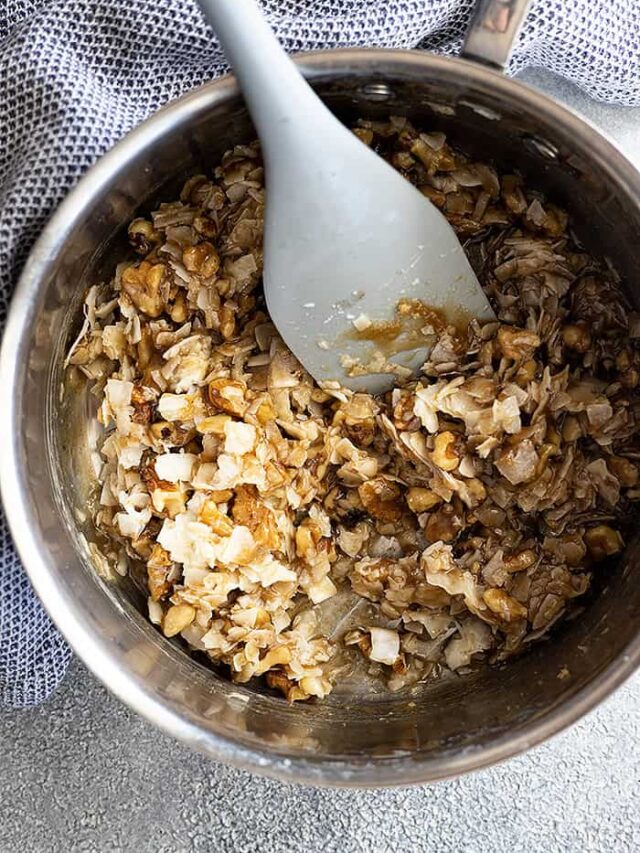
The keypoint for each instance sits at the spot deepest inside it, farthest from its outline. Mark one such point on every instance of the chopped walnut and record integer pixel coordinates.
(519, 561)
(577, 337)
(251, 512)
(202, 259)
(158, 567)
(177, 618)
(420, 499)
(517, 344)
(382, 499)
(143, 236)
(142, 285)
(504, 605)
(228, 395)
(444, 524)
(624, 470)
(444, 453)
(603, 541)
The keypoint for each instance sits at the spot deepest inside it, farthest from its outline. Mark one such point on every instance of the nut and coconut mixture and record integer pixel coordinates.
(466, 508)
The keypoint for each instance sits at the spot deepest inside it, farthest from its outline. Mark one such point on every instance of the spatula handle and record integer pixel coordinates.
(493, 30)
(273, 88)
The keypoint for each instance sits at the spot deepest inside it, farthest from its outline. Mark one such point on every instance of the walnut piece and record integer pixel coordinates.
(142, 285)
(517, 344)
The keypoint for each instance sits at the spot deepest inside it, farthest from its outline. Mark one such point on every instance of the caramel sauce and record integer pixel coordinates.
(415, 325)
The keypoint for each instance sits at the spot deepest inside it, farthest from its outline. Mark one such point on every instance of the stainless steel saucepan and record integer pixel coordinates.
(453, 726)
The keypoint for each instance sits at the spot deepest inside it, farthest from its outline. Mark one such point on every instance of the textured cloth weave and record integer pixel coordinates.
(77, 74)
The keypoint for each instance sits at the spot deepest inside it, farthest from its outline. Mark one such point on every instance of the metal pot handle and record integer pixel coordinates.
(494, 27)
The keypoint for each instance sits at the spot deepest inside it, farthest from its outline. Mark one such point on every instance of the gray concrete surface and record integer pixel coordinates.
(82, 773)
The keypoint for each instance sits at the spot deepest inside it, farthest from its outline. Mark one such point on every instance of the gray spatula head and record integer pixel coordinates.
(347, 238)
